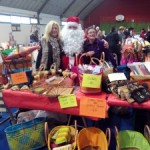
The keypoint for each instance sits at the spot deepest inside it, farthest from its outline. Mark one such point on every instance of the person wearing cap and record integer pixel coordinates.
(73, 37)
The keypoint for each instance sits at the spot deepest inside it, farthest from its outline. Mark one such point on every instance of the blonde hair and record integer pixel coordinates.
(121, 28)
(48, 30)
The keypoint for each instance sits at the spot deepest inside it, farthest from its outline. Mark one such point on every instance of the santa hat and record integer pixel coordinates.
(73, 21)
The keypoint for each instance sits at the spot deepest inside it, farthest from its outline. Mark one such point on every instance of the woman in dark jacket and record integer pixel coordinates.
(50, 53)
(94, 47)
(51, 47)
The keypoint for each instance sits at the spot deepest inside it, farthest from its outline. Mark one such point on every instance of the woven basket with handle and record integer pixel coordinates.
(87, 90)
(73, 134)
(107, 69)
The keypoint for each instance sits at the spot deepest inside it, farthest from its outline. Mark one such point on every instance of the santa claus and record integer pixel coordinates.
(73, 38)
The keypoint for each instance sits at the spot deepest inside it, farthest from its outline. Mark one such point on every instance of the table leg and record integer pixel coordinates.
(84, 122)
(69, 119)
(12, 118)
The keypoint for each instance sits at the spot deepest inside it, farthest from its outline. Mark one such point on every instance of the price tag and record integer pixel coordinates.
(18, 78)
(93, 107)
(67, 101)
(91, 80)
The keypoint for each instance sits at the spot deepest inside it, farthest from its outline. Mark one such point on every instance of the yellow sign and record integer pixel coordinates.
(91, 81)
(67, 101)
(93, 107)
(18, 78)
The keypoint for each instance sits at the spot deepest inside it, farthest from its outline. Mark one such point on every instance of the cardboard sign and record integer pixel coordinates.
(91, 80)
(18, 78)
(93, 107)
(67, 101)
(116, 76)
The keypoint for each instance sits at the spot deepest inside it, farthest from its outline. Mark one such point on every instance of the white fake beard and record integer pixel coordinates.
(73, 40)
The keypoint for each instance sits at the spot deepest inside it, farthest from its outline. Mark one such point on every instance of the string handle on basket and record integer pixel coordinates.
(101, 61)
(108, 135)
(53, 69)
(46, 131)
(94, 60)
(116, 131)
(81, 58)
(102, 58)
(147, 132)
(30, 119)
(41, 68)
(76, 131)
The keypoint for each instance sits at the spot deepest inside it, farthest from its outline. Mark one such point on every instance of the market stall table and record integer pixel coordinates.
(115, 101)
(28, 100)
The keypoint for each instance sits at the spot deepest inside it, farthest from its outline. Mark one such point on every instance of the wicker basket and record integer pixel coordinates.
(93, 138)
(73, 133)
(27, 135)
(87, 90)
(107, 69)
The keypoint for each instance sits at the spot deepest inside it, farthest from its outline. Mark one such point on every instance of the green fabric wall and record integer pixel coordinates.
(106, 26)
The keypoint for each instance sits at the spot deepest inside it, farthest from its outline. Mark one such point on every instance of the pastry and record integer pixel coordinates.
(39, 90)
(25, 87)
(15, 88)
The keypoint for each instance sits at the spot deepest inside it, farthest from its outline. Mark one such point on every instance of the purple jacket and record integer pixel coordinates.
(98, 47)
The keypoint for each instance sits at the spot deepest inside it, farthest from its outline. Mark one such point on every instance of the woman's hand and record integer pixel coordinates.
(106, 45)
(91, 53)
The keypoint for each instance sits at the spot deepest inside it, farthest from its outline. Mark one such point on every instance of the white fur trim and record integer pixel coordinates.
(72, 24)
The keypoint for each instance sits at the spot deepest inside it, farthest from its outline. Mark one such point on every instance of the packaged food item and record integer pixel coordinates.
(62, 135)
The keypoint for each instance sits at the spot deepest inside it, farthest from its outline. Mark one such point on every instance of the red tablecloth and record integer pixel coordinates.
(114, 101)
(18, 99)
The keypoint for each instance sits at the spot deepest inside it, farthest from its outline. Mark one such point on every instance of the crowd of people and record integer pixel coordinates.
(61, 45)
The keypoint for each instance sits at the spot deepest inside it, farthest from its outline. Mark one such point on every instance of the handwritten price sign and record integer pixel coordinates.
(93, 107)
(91, 80)
(18, 78)
(67, 101)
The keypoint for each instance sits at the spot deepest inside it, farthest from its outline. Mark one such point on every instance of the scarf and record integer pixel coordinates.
(56, 51)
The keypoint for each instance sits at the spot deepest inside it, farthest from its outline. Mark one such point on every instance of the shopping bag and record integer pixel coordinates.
(26, 136)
